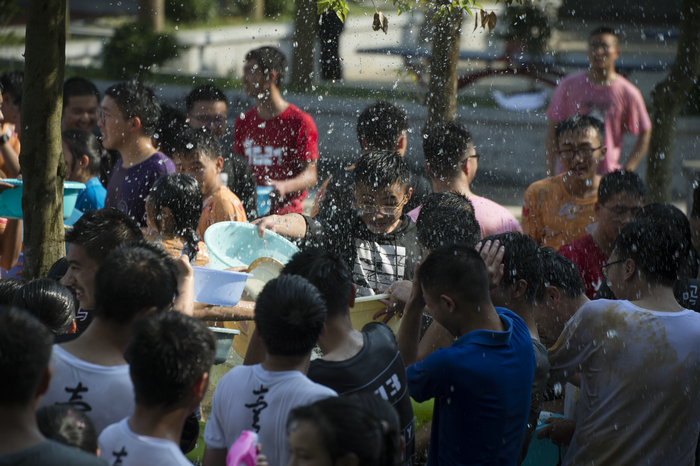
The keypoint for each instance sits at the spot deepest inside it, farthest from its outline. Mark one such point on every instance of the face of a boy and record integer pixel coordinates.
(255, 82)
(112, 124)
(603, 51)
(580, 153)
(204, 169)
(209, 114)
(619, 210)
(381, 208)
(81, 275)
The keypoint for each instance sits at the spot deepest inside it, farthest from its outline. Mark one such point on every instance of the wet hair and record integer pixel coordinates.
(559, 272)
(447, 218)
(347, 427)
(25, 350)
(68, 425)
(522, 260)
(78, 87)
(8, 288)
(381, 125)
(381, 168)
(387, 414)
(620, 181)
(581, 123)
(183, 196)
(456, 269)
(269, 59)
(655, 246)
(194, 143)
(171, 125)
(49, 301)
(168, 352)
(12, 83)
(58, 269)
(100, 231)
(134, 99)
(207, 92)
(81, 142)
(444, 146)
(328, 273)
(135, 276)
(604, 30)
(290, 314)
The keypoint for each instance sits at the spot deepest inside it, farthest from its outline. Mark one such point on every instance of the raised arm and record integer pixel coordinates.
(302, 181)
(409, 332)
(289, 225)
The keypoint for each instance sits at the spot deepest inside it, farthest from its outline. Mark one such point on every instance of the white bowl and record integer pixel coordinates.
(218, 287)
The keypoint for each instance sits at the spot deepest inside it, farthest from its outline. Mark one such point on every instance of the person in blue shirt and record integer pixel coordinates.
(482, 382)
(82, 152)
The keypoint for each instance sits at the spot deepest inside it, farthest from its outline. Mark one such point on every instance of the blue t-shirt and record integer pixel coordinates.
(481, 385)
(92, 197)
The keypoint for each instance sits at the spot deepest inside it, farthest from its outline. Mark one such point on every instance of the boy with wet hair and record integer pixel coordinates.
(558, 209)
(447, 218)
(169, 358)
(81, 104)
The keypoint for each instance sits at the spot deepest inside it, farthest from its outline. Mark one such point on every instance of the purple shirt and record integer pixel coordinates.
(128, 187)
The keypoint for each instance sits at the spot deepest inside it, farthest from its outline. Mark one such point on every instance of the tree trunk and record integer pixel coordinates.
(442, 89)
(152, 13)
(668, 98)
(41, 158)
(259, 10)
(303, 43)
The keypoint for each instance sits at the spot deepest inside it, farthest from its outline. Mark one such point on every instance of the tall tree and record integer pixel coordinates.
(41, 158)
(152, 13)
(304, 41)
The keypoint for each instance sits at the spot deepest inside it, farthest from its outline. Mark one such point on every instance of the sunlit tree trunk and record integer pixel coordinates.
(304, 41)
(41, 158)
(259, 10)
(668, 97)
(442, 90)
(152, 13)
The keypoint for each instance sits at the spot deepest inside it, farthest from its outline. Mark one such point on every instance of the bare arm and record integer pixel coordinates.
(244, 310)
(638, 151)
(10, 244)
(214, 457)
(409, 332)
(184, 302)
(435, 337)
(256, 352)
(11, 159)
(303, 180)
(289, 225)
(550, 148)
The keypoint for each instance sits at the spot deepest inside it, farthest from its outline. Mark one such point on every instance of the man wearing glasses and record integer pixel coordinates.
(602, 92)
(621, 195)
(558, 209)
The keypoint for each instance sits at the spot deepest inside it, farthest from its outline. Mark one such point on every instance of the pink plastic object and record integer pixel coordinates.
(244, 450)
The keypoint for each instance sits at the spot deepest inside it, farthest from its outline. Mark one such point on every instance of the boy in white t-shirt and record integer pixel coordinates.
(289, 317)
(169, 358)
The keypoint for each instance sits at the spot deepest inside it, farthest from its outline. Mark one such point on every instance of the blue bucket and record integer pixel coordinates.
(264, 200)
(11, 199)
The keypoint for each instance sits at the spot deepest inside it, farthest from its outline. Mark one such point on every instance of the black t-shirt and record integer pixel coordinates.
(378, 368)
(50, 453)
(241, 182)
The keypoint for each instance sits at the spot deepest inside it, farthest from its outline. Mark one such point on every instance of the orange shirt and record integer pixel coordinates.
(173, 246)
(13, 142)
(552, 216)
(222, 206)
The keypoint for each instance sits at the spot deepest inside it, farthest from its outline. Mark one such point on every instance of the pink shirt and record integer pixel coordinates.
(620, 104)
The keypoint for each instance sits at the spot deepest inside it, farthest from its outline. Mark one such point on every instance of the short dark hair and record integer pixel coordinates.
(133, 277)
(444, 146)
(576, 123)
(49, 301)
(328, 273)
(381, 168)
(195, 142)
(456, 269)
(522, 260)
(205, 92)
(447, 218)
(269, 59)
(8, 288)
(100, 231)
(603, 30)
(136, 100)
(381, 124)
(620, 181)
(171, 124)
(290, 314)
(167, 353)
(78, 87)
(81, 142)
(657, 250)
(559, 272)
(12, 83)
(68, 425)
(25, 351)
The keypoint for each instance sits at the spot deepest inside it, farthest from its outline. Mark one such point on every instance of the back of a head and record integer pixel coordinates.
(58, 269)
(290, 314)
(270, 59)
(621, 181)
(381, 125)
(136, 100)
(391, 422)
(382, 169)
(168, 352)
(8, 288)
(447, 218)
(192, 143)
(25, 350)
(328, 273)
(78, 87)
(603, 30)
(456, 269)
(560, 272)
(81, 142)
(98, 232)
(171, 124)
(444, 146)
(12, 82)
(522, 260)
(581, 123)
(68, 425)
(205, 92)
(49, 301)
(134, 277)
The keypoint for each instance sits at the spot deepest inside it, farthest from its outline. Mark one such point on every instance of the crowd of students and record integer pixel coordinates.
(588, 310)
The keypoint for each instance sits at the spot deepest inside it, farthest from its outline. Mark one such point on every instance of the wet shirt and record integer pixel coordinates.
(50, 453)
(92, 197)
(221, 206)
(119, 445)
(639, 399)
(589, 258)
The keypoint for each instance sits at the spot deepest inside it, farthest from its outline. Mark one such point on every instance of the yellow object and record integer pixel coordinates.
(365, 308)
(422, 412)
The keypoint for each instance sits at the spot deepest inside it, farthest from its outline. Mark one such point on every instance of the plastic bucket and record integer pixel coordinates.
(224, 340)
(11, 199)
(365, 307)
(218, 287)
(264, 200)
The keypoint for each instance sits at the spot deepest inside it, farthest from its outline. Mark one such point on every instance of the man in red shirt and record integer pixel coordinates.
(278, 139)
(621, 195)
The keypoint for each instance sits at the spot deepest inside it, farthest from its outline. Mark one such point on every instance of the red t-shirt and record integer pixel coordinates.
(277, 149)
(589, 258)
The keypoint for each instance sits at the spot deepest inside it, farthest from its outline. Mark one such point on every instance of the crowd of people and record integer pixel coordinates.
(586, 309)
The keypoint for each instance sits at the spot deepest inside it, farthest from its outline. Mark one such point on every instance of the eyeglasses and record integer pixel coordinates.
(381, 209)
(597, 45)
(218, 120)
(619, 211)
(604, 267)
(584, 153)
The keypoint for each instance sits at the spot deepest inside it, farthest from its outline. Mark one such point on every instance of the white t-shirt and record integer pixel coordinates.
(251, 398)
(120, 445)
(640, 390)
(105, 393)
